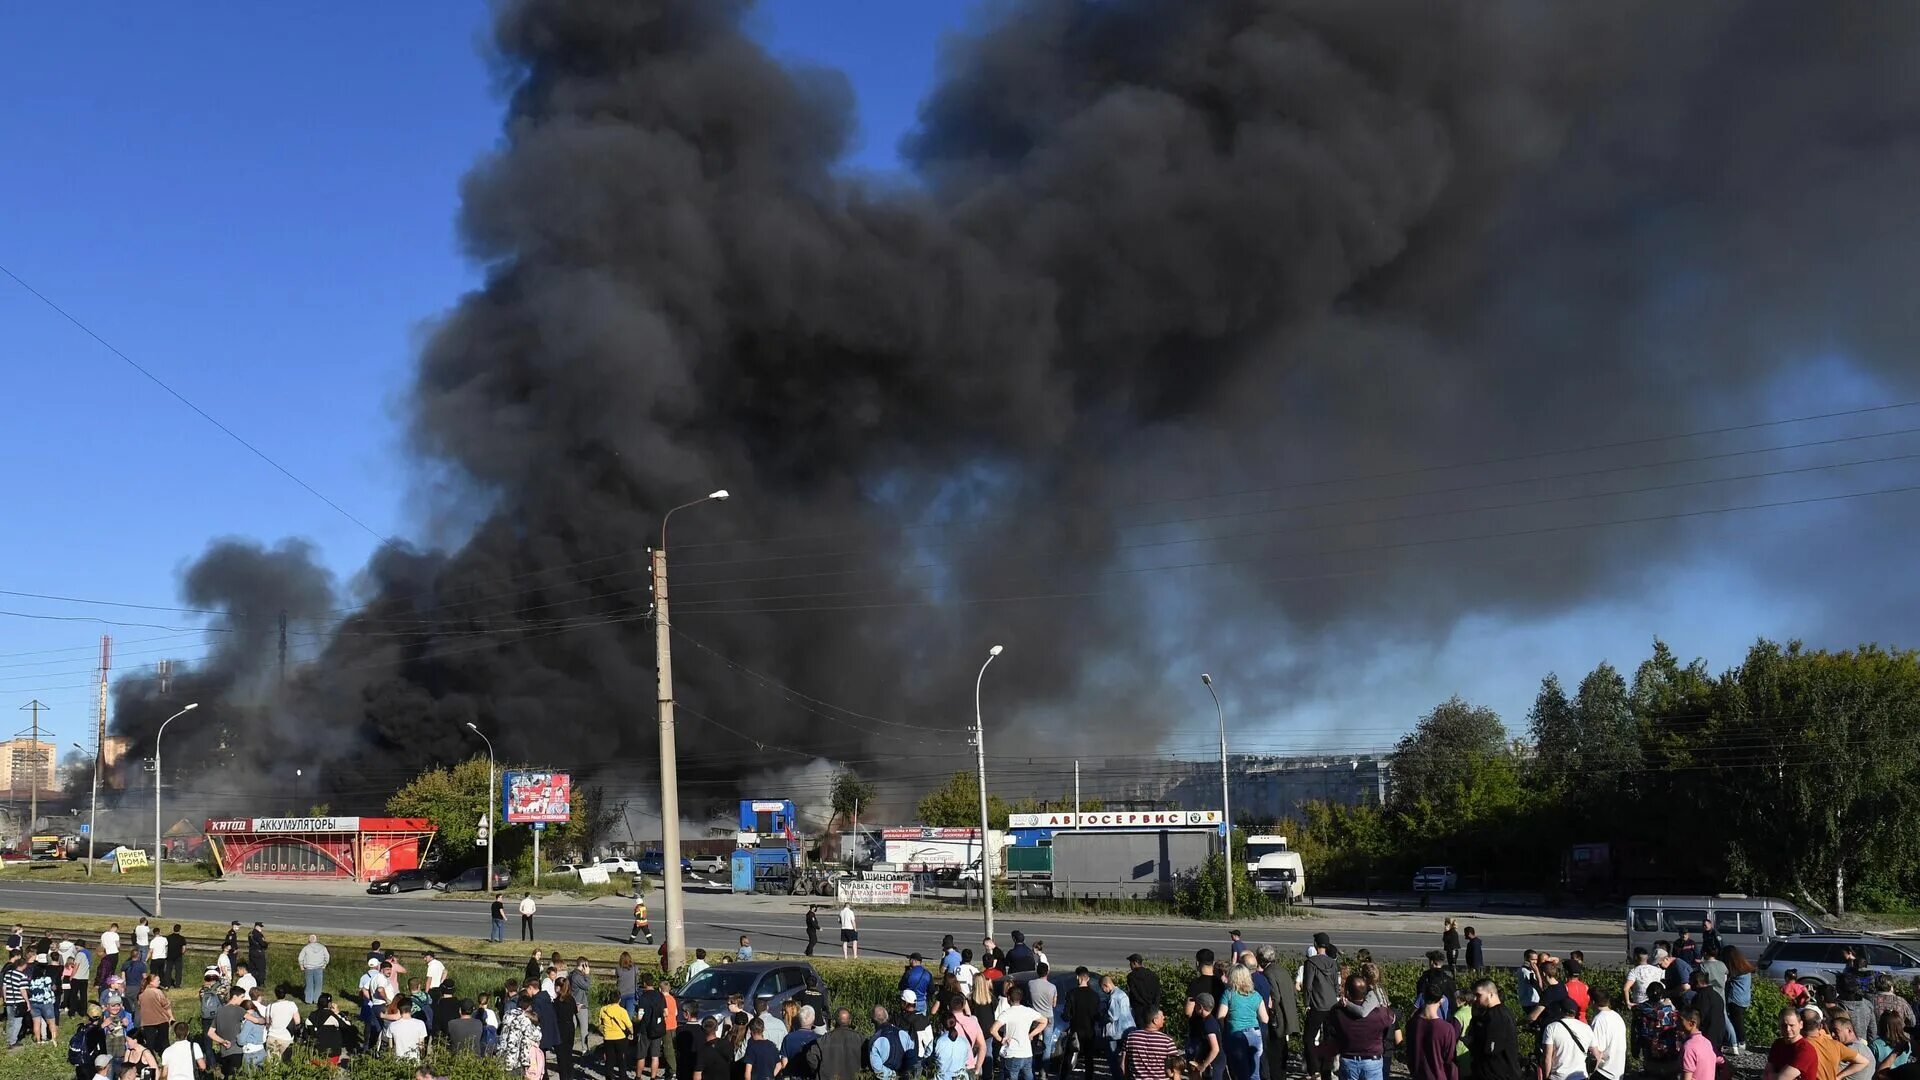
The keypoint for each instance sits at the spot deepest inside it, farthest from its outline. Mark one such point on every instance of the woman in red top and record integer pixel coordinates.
(1792, 1056)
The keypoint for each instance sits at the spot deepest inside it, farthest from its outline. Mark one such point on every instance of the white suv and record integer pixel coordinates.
(707, 864)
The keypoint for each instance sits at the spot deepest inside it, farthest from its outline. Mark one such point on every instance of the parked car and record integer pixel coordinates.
(471, 880)
(707, 864)
(1435, 879)
(707, 994)
(655, 863)
(400, 881)
(1817, 957)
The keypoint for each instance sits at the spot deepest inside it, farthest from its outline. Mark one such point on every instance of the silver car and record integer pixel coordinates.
(1818, 959)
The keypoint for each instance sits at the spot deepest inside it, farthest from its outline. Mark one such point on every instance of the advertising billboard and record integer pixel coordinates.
(537, 796)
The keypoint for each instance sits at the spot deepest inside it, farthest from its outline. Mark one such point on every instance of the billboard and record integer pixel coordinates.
(874, 892)
(537, 796)
(1118, 819)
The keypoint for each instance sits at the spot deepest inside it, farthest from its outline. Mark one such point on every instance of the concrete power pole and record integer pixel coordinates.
(669, 771)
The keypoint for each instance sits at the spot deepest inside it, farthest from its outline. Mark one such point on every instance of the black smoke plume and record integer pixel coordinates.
(1163, 270)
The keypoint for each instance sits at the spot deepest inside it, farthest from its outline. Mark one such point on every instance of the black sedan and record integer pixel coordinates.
(400, 881)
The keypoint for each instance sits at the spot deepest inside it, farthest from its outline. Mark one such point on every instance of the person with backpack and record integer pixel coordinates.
(88, 1041)
(651, 1025)
(887, 1050)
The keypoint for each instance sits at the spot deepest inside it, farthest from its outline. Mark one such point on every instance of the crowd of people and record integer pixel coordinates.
(996, 1013)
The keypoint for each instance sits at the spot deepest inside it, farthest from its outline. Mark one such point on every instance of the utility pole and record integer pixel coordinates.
(669, 759)
(99, 747)
(33, 770)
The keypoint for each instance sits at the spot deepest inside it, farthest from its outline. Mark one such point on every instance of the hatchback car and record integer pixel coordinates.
(400, 881)
(1817, 957)
(778, 980)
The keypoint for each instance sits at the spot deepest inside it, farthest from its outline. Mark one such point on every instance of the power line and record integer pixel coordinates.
(184, 400)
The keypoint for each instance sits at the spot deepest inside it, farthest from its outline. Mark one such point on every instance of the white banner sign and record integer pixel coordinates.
(875, 892)
(1117, 819)
(306, 824)
(593, 875)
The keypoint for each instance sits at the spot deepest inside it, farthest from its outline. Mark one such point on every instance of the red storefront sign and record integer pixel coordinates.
(318, 847)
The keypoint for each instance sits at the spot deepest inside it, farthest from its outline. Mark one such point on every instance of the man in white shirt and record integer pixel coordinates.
(849, 933)
(1643, 975)
(109, 951)
(243, 979)
(1015, 1030)
(527, 908)
(157, 956)
(282, 1017)
(407, 1035)
(436, 972)
(699, 964)
(1566, 1042)
(182, 1060)
(141, 933)
(1609, 1037)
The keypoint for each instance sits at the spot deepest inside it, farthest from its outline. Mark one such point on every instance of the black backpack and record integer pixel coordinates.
(80, 1046)
(656, 1016)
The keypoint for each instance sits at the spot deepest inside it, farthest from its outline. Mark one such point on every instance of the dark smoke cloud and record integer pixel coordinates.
(1157, 250)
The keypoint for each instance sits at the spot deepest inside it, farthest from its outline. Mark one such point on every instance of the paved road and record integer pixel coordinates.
(718, 921)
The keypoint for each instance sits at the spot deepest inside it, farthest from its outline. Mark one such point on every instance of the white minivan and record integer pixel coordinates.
(1751, 922)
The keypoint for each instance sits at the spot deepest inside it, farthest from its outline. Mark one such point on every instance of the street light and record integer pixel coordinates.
(93, 812)
(980, 748)
(669, 763)
(490, 796)
(157, 774)
(1226, 809)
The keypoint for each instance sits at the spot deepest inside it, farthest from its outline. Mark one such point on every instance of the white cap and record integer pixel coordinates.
(908, 997)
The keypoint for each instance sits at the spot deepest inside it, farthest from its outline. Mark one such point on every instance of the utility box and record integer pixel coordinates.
(741, 866)
(1139, 864)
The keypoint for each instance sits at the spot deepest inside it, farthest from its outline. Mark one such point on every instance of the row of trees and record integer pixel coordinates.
(1796, 772)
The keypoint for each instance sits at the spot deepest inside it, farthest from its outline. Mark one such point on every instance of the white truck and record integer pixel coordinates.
(1276, 869)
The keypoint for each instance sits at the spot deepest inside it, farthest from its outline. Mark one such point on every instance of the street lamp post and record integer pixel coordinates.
(980, 749)
(669, 763)
(1226, 809)
(93, 810)
(157, 774)
(490, 798)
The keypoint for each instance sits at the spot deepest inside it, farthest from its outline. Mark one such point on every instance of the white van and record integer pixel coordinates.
(1282, 874)
(1751, 922)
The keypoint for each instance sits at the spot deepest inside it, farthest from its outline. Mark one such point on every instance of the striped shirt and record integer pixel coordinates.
(13, 986)
(1146, 1052)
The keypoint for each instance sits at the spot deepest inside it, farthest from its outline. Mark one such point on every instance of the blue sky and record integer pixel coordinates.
(256, 202)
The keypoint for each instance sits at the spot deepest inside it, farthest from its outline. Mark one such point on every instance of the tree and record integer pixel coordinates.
(956, 804)
(1556, 738)
(850, 793)
(453, 799)
(585, 833)
(1426, 761)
